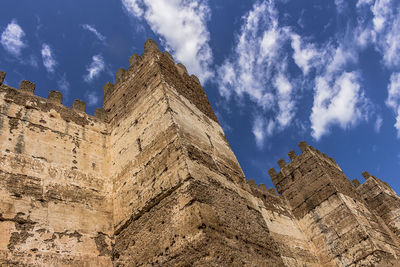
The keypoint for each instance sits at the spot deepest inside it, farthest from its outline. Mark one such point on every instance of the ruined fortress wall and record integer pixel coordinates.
(331, 212)
(54, 208)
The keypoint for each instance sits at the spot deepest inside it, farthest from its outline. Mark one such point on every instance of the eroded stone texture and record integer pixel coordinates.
(53, 184)
(332, 214)
(151, 180)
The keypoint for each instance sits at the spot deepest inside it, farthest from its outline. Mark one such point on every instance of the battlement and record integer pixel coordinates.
(307, 152)
(142, 75)
(150, 179)
(24, 95)
(261, 189)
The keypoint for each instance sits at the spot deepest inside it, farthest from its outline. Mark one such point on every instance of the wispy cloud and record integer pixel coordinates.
(63, 84)
(383, 30)
(182, 27)
(92, 99)
(393, 100)
(258, 69)
(95, 68)
(378, 124)
(48, 58)
(305, 55)
(12, 38)
(94, 31)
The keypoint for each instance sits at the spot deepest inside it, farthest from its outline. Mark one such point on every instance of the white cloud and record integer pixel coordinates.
(49, 60)
(92, 99)
(95, 68)
(182, 25)
(63, 84)
(94, 31)
(383, 30)
(12, 38)
(378, 124)
(258, 69)
(134, 7)
(305, 55)
(337, 100)
(340, 5)
(393, 100)
(285, 100)
(259, 131)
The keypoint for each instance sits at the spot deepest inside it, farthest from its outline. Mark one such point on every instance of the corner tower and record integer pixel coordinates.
(332, 214)
(179, 194)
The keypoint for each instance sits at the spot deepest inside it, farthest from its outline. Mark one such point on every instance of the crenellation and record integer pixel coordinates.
(181, 69)
(150, 46)
(292, 155)
(79, 105)
(107, 91)
(303, 146)
(2, 77)
(282, 163)
(252, 183)
(134, 60)
(169, 56)
(194, 77)
(272, 191)
(27, 86)
(120, 75)
(366, 175)
(55, 97)
(263, 188)
(356, 182)
(150, 179)
(101, 114)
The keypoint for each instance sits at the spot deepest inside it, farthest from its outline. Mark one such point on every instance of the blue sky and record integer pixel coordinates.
(276, 72)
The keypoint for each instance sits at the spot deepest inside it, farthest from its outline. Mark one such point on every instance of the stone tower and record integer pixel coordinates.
(151, 180)
(332, 213)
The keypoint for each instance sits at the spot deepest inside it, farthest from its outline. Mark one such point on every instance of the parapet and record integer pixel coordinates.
(54, 97)
(175, 74)
(150, 46)
(27, 87)
(261, 189)
(2, 77)
(296, 159)
(356, 183)
(79, 105)
(366, 175)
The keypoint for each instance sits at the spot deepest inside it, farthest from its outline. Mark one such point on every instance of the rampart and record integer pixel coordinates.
(151, 180)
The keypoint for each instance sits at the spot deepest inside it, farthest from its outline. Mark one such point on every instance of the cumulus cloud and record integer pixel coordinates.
(95, 68)
(48, 58)
(393, 99)
(94, 31)
(182, 26)
(12, 38)
(338, 101)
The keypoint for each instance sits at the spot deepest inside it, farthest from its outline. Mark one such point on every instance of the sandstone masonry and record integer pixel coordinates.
(151, 180)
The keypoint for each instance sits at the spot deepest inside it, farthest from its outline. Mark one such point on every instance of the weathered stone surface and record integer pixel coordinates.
(151, 180)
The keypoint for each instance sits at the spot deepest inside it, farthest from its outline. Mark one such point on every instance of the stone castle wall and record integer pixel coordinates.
(54, 208)
(151, 180)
